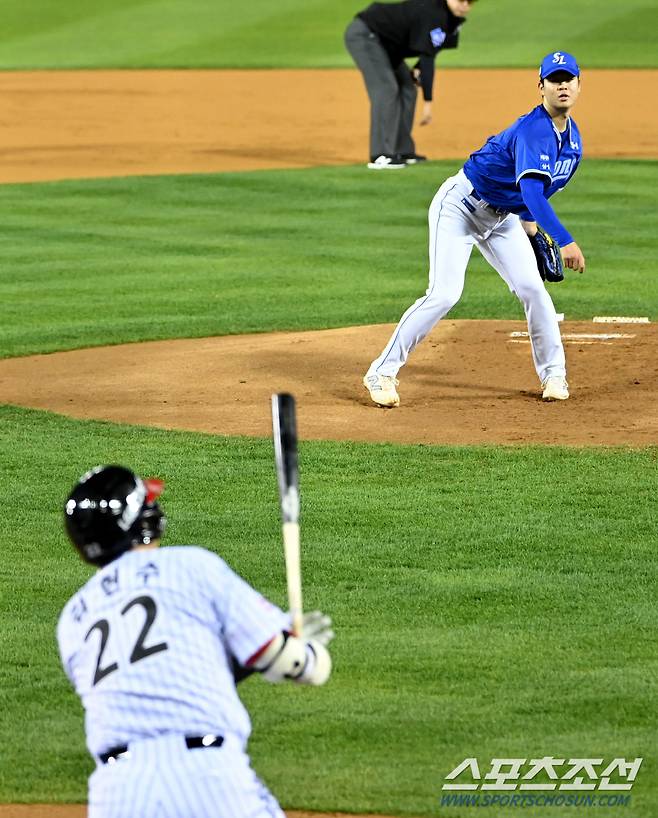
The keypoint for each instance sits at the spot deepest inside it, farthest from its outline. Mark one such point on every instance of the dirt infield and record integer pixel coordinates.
(469, 382)
(78, 124)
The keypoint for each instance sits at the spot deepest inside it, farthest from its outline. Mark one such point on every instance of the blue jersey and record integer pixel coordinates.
(532, 145)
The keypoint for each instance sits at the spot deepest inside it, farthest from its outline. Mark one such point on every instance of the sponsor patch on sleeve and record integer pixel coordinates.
(437, 36)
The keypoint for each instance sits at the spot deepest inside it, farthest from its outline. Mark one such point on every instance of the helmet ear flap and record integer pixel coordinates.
(151, 525)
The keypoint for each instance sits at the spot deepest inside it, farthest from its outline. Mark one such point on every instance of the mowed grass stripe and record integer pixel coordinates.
(488, 602)
(98, 262)
(306, 33)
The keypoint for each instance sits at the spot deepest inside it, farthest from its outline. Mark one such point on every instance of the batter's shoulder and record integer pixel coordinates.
(65, 613)
(193, 559)
(75, 612)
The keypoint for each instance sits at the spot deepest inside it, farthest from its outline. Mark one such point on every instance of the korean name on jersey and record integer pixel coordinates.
(132, 647)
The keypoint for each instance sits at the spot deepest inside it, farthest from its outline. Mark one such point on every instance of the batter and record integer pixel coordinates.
(495, 202)
(154, 643)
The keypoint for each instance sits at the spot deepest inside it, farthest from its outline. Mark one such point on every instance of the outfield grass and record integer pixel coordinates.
(488, 602)
(98, 262)
(307, 33)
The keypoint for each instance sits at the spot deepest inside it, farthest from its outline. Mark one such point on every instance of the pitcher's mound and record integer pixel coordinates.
(468, 382)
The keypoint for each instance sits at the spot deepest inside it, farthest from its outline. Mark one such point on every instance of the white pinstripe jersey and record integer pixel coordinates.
(147, 644)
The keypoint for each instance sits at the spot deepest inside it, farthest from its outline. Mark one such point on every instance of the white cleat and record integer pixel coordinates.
(387, 162)
(555, 388)
(382, 389)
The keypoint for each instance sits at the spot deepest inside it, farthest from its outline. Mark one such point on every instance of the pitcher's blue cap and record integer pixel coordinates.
(558, 61)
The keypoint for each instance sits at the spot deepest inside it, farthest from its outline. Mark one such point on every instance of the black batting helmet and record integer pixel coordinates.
(110, 511)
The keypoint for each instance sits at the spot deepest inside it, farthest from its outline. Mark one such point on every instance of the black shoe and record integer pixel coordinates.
(413, 158)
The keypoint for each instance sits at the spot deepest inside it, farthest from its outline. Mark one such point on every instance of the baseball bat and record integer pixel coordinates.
(284, 427)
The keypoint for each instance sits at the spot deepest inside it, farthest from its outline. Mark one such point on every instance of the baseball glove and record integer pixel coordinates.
(547, 253)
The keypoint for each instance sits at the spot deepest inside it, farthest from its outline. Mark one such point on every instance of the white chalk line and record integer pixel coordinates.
(620, 319)
(580, 343)
(583, 336)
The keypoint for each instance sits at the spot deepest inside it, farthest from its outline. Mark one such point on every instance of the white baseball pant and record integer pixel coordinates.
(162, 778)
(457, 221)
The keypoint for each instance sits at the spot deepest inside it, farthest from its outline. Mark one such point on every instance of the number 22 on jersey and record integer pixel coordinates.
(139, 651)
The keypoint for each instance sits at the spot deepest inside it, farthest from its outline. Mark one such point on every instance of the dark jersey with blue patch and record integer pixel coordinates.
(531, 146)
(414, 28)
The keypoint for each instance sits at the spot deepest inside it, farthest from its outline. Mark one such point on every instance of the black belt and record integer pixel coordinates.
(497, 210)
(191, 742)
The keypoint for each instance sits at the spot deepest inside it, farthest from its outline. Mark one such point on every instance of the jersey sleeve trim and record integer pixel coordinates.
(530, 171)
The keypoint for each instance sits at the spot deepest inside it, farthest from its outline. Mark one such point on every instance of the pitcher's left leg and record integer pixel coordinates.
(508, 251)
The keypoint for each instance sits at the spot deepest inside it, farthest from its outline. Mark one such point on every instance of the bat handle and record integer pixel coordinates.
(293, 574)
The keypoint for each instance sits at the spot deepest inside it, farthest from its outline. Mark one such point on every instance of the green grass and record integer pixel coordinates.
(488, 602)
(307, 33)
(86, 263)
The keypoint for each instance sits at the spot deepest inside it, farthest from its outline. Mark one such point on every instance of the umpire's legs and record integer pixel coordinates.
(509, 252)
(381, 84)
(408, 95)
